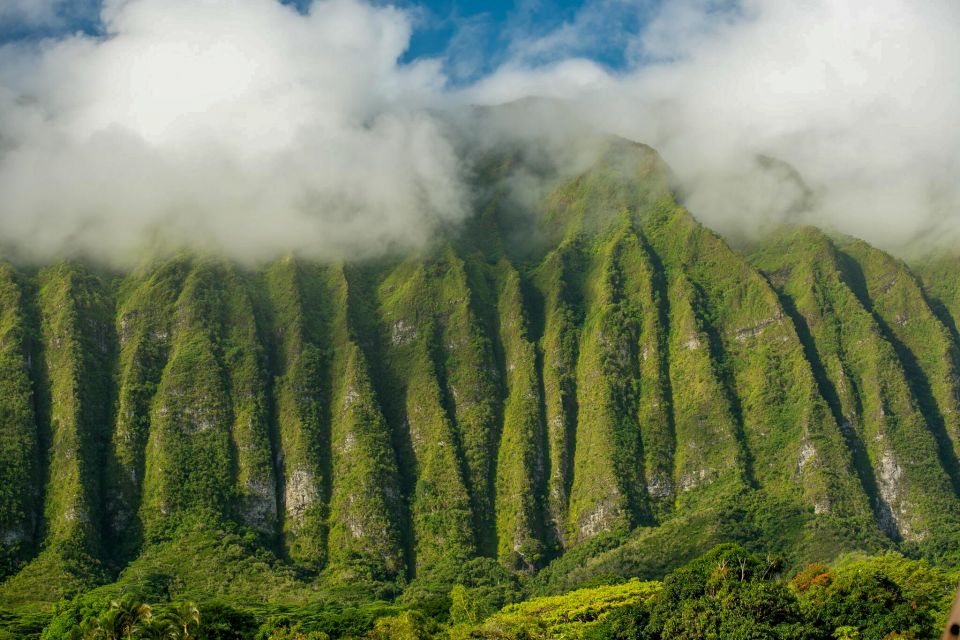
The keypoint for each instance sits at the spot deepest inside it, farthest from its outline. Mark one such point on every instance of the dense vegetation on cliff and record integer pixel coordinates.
(608, 400)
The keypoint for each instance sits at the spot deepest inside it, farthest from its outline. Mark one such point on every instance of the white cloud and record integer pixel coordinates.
(861, 99)
(240, 125)
(568, 79)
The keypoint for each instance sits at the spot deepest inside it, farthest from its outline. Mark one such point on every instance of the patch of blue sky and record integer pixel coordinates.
(471, 38)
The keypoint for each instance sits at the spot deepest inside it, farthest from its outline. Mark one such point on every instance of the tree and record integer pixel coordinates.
(846, 633)
(112, 624)
(727, 593)
(116, 623)
(409, 625)
(465, 609)
(185, 617)
(156, 629)
(88, 629)
(124, 615)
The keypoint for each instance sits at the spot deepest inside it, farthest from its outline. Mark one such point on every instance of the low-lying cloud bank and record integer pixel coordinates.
(237, 124)
(245, 126)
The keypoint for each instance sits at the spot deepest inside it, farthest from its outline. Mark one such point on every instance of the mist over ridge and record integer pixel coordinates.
(251, 129)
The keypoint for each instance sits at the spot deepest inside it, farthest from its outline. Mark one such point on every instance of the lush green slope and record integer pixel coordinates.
(896, 433)
(19, 473)
(613, 401)
(726, 593)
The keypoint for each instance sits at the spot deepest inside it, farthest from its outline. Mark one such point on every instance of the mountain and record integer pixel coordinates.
(601, 386)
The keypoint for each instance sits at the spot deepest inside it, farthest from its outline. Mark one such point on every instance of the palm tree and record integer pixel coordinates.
(185, 616)
(155, 629)
(116, 623)
(111, 623)
(88, 629)
(126, 613)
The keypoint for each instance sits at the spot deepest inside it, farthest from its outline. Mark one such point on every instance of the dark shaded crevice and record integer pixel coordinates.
(105, 414)
(79, 320)
(40, 383)
(267, 334)
(483, 313)
(365, 323)
(152, 353)
(263, 382)
(128, 542)
(533, 306)
(719, 362)
(661, 301)
(570, 307)
(498, 350)
(436, 358)
(564, 299)
(552, 545)
(216, 334)
(29, 349)
(358, 337)
(317, 336)
(943, 314)
(87, 326)
(571, 409)
(513, 305)
(628, 318)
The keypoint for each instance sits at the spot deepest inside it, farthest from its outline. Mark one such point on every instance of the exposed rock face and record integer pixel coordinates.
(259, 510)
(299, 495)
(896, 511)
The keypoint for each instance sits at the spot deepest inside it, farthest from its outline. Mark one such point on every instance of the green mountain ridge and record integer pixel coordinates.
(613, 401)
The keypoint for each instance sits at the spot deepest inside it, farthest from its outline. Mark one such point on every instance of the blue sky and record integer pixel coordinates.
(472, 36)
(488, 29)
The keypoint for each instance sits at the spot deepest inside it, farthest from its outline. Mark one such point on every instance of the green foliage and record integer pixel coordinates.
(726, 593)
(296, 632)
(607, 492)
(19, 445)
(520, 463)
(222, 621)
(568, 616)
(731, 593)
(128, 617)
(559, 346)
(464, 609)
(874, 596)
(324, 620)
(297, 320)
(870, 388)
(76, 350)
(409, 625)
(486, 584)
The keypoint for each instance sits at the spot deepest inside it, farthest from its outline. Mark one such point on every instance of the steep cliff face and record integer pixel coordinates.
(879, 389)
(19, 437)
(632, 376)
